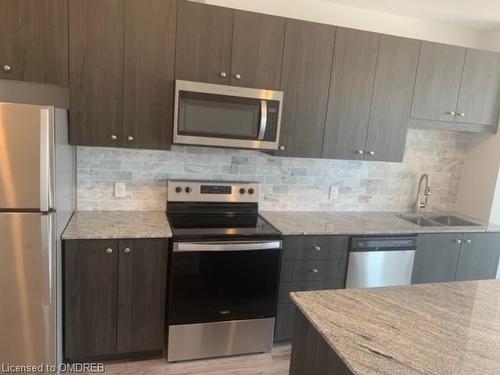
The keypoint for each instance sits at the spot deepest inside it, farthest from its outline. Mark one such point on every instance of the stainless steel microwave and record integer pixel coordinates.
(226, 116)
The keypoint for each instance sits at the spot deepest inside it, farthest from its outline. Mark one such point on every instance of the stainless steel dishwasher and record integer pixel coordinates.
(380, 261)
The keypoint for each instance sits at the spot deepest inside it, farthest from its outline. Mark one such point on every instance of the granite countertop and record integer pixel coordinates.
(358, 223)
(448, 328)
(117, 224)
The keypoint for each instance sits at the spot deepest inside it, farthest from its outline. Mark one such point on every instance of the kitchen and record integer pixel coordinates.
(142, 229)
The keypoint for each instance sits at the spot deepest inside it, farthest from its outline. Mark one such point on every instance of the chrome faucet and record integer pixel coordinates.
(422, 204)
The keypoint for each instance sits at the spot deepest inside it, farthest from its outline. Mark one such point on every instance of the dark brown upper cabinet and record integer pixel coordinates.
(224, 46)
(305, 81)
(122, 72)
(351, 87)
(149, 73)
(96, 31)
(257, 50)
(391, 100)
(203, 48)
(456, 89)
(370, 94)
(34, 41)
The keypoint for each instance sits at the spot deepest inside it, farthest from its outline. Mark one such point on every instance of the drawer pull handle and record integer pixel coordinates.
(314, 270)
(317, 248)
(109, 251)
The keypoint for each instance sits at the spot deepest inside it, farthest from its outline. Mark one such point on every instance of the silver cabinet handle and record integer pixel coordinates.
(109, 250)
(130, 138)
(317, 248)
(314, 270)
(7, 68)
(282, 148)
(223, 74)
(461, 114)
(359, 152)
(458, 241)
(371, 153)
(126, 250)
(451, 113)
(114, 137)
(468, 241)
(237, 76)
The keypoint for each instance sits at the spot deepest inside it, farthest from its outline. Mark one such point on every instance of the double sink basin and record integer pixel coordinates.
(439, 220)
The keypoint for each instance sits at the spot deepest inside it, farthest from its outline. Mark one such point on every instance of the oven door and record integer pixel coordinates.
(221, 281)
(226, 116)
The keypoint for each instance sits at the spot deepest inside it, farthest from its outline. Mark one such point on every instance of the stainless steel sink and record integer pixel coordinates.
(453, 221)
(420, 220)
(439, 220)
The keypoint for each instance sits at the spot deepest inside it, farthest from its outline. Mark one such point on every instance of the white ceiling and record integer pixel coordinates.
(478, 14)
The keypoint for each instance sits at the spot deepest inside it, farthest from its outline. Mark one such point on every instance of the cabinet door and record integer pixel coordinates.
(141, 295)
(393, 88)
(436, 258)
(351, 87)
(90, 296)
(305, 78)
(149, 73)
(96, 31)
(203, 48)
(479, 257)
(34, 41)
(479, 98)
(438, 80)
(257, 50)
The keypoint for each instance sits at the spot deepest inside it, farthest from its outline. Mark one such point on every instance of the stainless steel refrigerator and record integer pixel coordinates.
(37, 198)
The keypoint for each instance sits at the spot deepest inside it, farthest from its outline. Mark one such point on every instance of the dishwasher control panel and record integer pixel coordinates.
(383, 243)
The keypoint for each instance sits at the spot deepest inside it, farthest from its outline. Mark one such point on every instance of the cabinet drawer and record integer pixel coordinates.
(287, 287)
(315, 247)
(322, 269)
(284, 322)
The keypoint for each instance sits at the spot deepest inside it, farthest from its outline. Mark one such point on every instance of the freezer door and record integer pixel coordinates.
(26, 157)
(28, 292)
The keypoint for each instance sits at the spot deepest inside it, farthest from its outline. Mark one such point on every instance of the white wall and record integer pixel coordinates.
(364, 19)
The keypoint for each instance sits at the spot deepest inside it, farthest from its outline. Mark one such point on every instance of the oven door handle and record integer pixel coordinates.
(263, 120)
(227, 246)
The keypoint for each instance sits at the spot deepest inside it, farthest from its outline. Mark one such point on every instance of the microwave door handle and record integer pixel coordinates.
(263, 119)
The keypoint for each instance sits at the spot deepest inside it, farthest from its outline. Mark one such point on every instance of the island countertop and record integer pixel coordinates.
(360, 223)
(447, 328)
(117, 224)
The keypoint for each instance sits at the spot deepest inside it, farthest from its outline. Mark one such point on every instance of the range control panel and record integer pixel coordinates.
(211, 191)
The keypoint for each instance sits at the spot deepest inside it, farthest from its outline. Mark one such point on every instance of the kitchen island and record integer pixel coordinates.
(447, 328)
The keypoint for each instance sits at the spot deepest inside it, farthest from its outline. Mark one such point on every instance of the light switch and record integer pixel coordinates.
(333, 193)
(120, 189)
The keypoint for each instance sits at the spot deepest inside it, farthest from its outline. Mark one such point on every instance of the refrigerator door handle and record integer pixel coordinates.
(46, 159)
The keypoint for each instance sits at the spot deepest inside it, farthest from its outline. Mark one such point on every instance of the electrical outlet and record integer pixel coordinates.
(120, 189)
(333, 193)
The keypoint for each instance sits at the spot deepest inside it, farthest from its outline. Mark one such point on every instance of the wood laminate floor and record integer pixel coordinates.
(275, 363)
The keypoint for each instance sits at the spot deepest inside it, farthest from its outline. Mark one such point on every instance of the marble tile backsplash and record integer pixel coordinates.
(287, 183)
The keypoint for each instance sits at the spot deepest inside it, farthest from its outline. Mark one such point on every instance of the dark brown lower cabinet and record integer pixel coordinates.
(114, 298)
(308, 263)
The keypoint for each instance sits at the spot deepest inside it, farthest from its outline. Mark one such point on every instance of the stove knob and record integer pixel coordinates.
(188, 189)
(242, 191)
(178, 189)
(251, 191)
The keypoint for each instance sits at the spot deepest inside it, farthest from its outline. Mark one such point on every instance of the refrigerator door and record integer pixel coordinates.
(28, 292)
(26, 157)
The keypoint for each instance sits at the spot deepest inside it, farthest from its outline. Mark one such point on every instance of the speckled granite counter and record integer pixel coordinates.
(356, 223)
(117, 224)
(449, 328)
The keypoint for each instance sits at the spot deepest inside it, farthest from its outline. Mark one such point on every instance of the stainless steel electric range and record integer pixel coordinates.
(223, 271)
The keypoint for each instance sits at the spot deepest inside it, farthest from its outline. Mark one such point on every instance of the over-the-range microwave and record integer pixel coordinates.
(207, 114)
